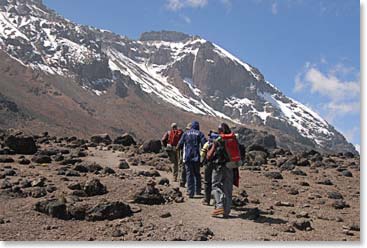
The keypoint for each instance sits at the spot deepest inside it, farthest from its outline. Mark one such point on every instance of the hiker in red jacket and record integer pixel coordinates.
(170, 140)
(225, 173)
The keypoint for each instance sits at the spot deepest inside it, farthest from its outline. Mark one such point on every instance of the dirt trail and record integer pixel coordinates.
(193, 213)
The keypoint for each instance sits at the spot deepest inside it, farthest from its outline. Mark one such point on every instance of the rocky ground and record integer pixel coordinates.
(65, 188)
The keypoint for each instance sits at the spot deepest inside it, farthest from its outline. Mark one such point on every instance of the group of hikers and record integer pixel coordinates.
(218, 153)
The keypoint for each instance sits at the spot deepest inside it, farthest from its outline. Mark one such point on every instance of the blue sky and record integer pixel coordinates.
(309, 49)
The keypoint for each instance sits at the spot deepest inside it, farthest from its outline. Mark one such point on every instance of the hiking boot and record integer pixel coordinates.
(205, 202)
(199, 194)
(217, 212)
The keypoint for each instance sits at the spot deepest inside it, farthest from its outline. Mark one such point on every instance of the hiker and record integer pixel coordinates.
(225, 172)
(170, 140)
(181, 167)
(209, 161)
(192, 141)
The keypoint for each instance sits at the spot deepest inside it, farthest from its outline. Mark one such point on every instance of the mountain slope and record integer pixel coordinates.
(170, 69)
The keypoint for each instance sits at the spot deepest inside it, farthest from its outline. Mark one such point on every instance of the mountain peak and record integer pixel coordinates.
(170, 36)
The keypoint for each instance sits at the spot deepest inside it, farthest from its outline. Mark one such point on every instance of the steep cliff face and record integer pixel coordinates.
(172, 68)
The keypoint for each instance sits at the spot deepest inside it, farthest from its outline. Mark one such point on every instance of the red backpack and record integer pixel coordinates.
(174, 136)
(233, 150)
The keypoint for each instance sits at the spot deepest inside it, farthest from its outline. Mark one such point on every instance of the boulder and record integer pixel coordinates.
(6, 160)
(123, 164)
(101, 138)
(94, 187)
(108, 170)
(149, 195)
(53, 208)
(21, 144)
(273, 175)
(334, 195)
(152, 146)
(347, 173)
(108, 211)
(125, 140)
(41, 159)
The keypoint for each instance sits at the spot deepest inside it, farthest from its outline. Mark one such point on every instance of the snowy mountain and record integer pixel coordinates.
(187, 72)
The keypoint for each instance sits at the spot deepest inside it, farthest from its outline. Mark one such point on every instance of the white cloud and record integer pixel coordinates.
(329, 85)
(338, 87)
(175, 5)
(186, 19)
(274, 8)
(197, 3)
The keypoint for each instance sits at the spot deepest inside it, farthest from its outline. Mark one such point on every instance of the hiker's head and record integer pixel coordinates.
(195, 125)
(188, 126)
(174, 126)
(224, 128)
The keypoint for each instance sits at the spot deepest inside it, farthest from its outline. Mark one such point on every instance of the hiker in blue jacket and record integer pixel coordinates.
(192, 141)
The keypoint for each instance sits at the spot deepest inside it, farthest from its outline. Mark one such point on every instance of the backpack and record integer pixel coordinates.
(233, 150)
(174, 137)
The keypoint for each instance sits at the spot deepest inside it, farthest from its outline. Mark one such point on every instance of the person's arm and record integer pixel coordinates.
(165, 139)
(181, 142)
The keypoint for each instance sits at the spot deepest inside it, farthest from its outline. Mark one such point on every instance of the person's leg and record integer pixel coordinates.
(227, 189)
(217, 186)
(175, 165)
(197, 178)
(190, 179)
(207, 183)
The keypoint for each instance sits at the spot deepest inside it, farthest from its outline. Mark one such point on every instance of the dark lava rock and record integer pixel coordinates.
(173, 194)
(152, 146)
(150, 173)
(108, 211)
(287, 166)
(6, 160)
(203, 234)
(166, 215)
(340, 204)
(51, 188)
(24, 161)
(39, 182)
(125, 140)
(37, 192)
(124, 165)
(53, 208)
(117, 233)
(77, 212)
(41, 159)
(273, 175)
(72, 173)
(305, 184)
(101, 138)
(6, 184)
(80, 168)
(75, 186)
(334, 195)
(108, 170)
(21, 144)
(251, 214)
(149, 196)
(58, 157)
(303, 162)
(94, 187)
(25, 183)
(163, 181)
(293, 191)
(303, 225)
(9, 173)
(299, 172)
(92, 166)
(347, 173)
(325, 182)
